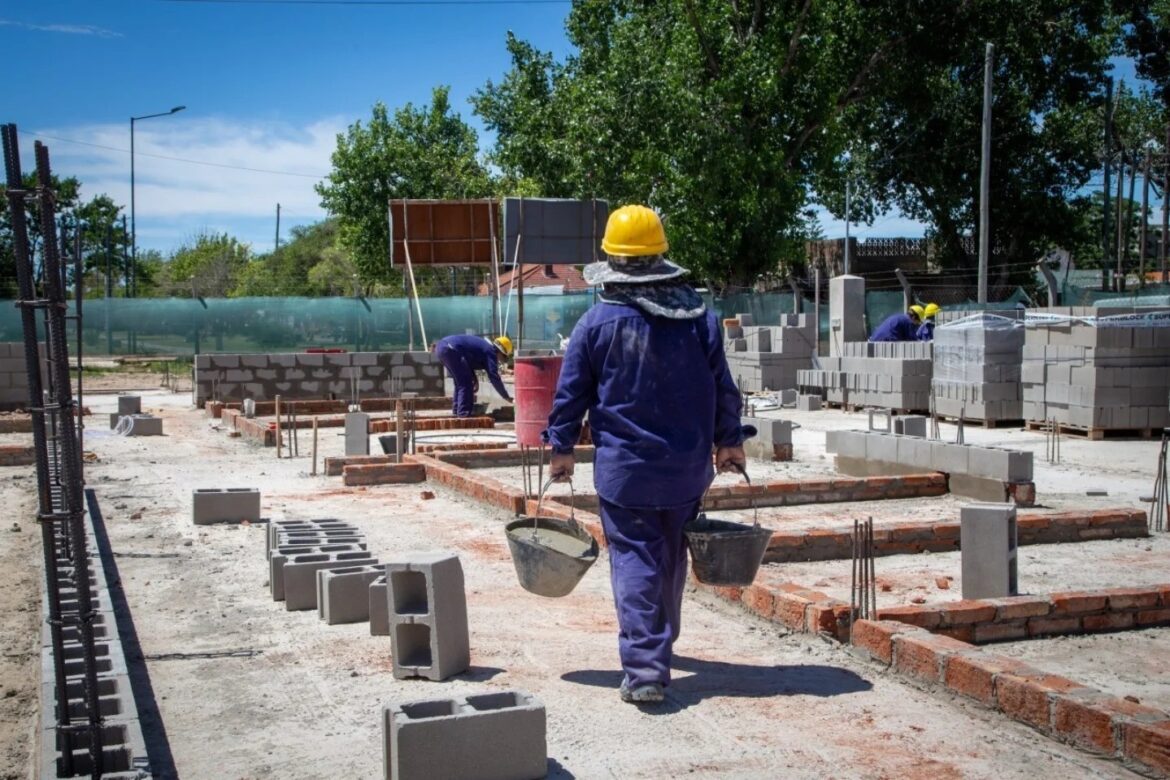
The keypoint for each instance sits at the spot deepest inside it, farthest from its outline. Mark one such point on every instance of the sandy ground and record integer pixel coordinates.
(1129, 663)
(1042, 569)
(20, 562)
(248, 690)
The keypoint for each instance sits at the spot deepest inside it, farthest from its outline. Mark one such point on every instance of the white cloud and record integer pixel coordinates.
(69, 29)
(196, 174)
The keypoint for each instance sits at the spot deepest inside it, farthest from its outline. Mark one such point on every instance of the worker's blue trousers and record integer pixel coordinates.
(648, 569)
(462, 376)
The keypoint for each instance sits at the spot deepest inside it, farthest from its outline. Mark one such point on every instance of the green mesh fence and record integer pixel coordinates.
(1150, 295)
(184, 326)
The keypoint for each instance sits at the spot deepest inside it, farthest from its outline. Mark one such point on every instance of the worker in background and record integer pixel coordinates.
(462, 356)
(926, 329)
(647, 364)
(900, 327)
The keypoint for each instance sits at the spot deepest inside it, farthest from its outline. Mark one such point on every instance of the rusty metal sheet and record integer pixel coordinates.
(444, 232)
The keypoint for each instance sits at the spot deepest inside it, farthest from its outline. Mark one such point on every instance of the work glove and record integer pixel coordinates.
(560, 468)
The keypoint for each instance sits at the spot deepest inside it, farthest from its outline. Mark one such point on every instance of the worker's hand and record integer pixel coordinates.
(560, 468)
(475, 385)
(730, 459)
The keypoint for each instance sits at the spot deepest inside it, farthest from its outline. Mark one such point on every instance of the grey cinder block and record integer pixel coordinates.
(225, 505)
(428, 616)
(987, 541)
(343, 595)
(357, 433)
(300, 575)
(129, 404)
(808, 403)
(277, 527)
(910, 425)
(280, 555)
(379, 608)
(145, 425)
(488, 736)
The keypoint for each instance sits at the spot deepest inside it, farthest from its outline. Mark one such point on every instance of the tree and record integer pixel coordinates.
(1147, 40)
(66, 191)
(209, 266)
(428, 152)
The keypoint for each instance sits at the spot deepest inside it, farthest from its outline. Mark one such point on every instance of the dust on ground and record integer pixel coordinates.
(20, 614)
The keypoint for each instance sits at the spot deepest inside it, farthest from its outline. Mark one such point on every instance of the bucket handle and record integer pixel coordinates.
(540, 500)
(751, 495)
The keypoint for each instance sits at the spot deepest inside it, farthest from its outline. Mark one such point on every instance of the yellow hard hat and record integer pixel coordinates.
(504, 344)
(931, 310)
(634, 231)
(917, 311)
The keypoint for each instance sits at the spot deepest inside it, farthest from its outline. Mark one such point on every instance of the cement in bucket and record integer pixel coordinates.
(724, 552)
(550, 555)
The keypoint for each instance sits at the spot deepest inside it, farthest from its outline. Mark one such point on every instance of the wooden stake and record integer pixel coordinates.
(314, 445)
(278, 426)
(399, 431)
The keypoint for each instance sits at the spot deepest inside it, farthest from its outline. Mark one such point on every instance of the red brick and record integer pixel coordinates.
(786, 540)
(1035, 522)
(1020, 607)
(789, 610)
(946, 530)
(1111, 621)
(385, 474)
(1022, 493)
(1077, 603)
(998, 632)
(912, 532)
(728, 593)
(1054, 626)
(973, 673)
(826, 618)
(923, 656)
(759, 600)
(1083, 723)
(1148, 744)
(877, 637)
(1022, 699)
(967, 611)
(962, 633)
(1164, 591)
(1132, 598)
(925, 617)
(1153, 617)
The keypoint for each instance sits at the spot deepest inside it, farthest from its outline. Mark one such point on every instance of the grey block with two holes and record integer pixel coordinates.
(343, 595)
(987, 542)
(129, 404)
(488, 736)
(379, 607)
(279, 556)
(910, 425)
(277, 528)
(428, 616)
(225, 505)
(300, 575)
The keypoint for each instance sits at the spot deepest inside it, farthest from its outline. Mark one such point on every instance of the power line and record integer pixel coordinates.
(181, 159)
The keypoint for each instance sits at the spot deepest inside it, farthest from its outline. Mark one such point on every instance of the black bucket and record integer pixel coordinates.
(550, 555)
(724, 552)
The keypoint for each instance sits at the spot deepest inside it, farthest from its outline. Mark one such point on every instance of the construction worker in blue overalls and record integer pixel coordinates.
(462, 356)
(926, 329)
(900, 327)
(647, 364)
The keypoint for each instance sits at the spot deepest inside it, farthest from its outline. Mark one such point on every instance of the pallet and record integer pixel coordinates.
(1095, 434)
(1018, 423)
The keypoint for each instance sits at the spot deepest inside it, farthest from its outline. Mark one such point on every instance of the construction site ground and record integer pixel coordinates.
(247, 689)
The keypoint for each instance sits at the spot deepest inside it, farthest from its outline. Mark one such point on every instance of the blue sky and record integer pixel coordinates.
(266, 89)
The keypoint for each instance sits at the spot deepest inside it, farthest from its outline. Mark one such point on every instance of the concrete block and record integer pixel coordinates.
(145, 425)
(1001, 464)
(846, 312)
(129, 404)
(379, 607)
(225, 505)
(357, 433)
(343, 595)
(910, 425)
(428, 616)
(300, 575)
(881, 446)
(280, 555)
(951, 458)
(987, 541)
(278, 527)
(808, 403)
(488, 736)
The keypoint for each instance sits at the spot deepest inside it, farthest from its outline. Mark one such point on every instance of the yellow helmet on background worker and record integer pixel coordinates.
(634, 231)
(917, 312)
(931, 310)
(504, 344)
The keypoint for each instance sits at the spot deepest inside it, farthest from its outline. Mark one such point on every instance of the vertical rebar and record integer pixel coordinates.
(872, 570)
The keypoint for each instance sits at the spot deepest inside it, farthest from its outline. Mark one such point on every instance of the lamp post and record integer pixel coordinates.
(133, 285)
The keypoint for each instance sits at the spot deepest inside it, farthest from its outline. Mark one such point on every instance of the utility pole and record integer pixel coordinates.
(277, 246)
(1106, 214)
(1145, 220)
(1128, 223)
(1165, 205)
(847, 215)
(1119, 210)
(109, 288)
(985, 177)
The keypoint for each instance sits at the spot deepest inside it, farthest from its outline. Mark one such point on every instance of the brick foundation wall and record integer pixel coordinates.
(323, 406)
(1059, 707)
(17, 455)
(1021, 617)
(315, 375)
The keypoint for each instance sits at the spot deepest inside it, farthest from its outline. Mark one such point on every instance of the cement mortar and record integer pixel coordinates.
(247, 689)
(1126, 663)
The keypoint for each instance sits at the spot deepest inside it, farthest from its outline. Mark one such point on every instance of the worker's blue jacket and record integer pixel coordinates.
(659, 396)
(925, 331)
(481, 355)
(897, 327)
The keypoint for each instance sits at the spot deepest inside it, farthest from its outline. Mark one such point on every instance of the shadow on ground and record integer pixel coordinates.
(708, 679)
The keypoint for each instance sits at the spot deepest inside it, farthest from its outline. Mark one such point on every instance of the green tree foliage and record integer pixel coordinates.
(1147, 40)
(427, 152)
(66, 191)
(209, 266)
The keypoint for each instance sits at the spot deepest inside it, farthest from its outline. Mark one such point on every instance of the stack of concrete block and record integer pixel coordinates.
(14, 377)
(894, 375)
(767, 357)
(127, 405)
(343, 595)
(490, 736)
(982, 473)
(225, 505)
(1110, 372)
(773, 439)
(977, 362)
(298, 549)
(315, 375)
(428, 616)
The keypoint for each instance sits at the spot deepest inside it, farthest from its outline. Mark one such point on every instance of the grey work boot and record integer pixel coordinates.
(650, 693)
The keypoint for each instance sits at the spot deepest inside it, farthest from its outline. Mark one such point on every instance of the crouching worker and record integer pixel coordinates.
(647, 364)
(462, 356)
(900, 327)
(926, 329)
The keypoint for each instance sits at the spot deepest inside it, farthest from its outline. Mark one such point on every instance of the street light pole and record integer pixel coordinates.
(132, 285)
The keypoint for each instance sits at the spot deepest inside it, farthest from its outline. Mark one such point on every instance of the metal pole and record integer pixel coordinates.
(1120, 226)
(848, 204)
(109, 289)
(1165, 205)
(1142, 236)
(1107, 213)
(133, 223)
(277, 246)
(985, 177)
(817, 308)
(1125, 236)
